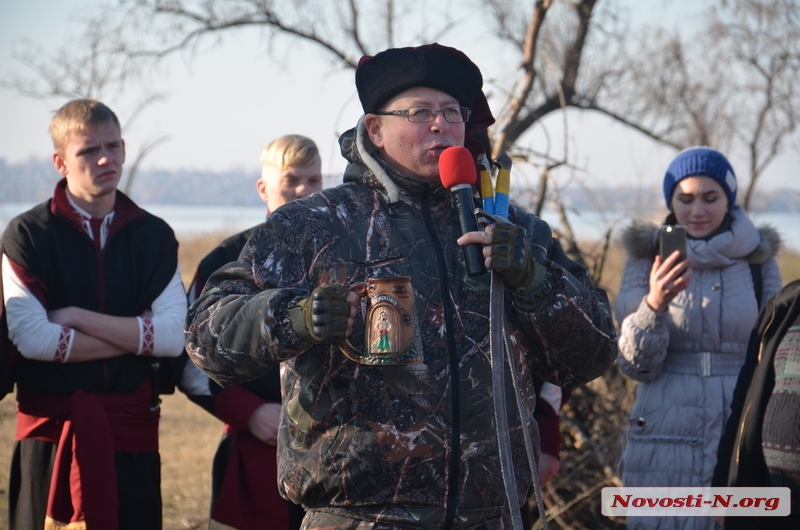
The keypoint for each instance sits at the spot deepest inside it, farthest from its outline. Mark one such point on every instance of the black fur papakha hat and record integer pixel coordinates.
(383, 76)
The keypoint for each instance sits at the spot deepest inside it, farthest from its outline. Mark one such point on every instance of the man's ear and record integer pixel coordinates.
(123, 150)
(372, 123)
(58, 162)
(261, 187)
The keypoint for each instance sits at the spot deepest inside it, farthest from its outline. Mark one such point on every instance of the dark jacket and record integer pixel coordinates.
(244, 491)
(64, 268)
(227, 251)
(102, 407)
(740, 456)
(408, 442)
(266, 388)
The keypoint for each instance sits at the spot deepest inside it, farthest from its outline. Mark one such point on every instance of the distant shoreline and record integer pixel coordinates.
(33, 181)
(588, 225)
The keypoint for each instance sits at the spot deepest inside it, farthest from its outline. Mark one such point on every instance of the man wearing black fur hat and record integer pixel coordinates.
(404, 439)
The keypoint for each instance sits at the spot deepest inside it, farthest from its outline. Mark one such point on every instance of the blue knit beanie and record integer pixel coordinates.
(700, 161)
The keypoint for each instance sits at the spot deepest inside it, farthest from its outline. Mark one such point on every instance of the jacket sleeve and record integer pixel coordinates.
(28, 326)
(643, 336)
(567, 319)
(239, 327)
(169, 309)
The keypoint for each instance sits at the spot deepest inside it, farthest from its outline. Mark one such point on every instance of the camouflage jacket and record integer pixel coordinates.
(412, 445)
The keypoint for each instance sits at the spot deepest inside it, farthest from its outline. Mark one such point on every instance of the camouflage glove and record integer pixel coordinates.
(322, 317)
(511, 257)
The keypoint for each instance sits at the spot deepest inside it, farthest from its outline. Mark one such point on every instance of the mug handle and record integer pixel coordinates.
(350, 351)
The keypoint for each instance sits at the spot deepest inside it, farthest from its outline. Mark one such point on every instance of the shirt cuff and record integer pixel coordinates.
(64, 348)
(146, 336)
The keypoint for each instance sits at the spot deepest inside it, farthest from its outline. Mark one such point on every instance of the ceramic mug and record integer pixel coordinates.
(391, 331)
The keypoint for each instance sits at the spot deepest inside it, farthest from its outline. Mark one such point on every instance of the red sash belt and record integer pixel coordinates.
(88, 429)
(249, 498)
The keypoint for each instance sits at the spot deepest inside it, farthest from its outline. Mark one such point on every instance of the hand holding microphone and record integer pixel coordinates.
(510, 255)
(506, 250)
(458, 174)
(503, 245)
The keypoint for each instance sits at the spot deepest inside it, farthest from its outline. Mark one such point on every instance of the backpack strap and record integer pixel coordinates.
(758, 282)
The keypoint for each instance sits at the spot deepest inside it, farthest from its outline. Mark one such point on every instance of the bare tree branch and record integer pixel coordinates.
(628, 123)
(141, 155)
(731, 85)
(208, 24)
(181, 26)
(96, 68)
(516, 102)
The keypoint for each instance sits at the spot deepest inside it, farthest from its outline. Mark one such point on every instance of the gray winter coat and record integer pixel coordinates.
(687, 359)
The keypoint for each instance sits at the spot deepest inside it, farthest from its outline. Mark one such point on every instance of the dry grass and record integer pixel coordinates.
(7, 432)
(189, 436)
(188, 440)
(789, 263)
(193, 248)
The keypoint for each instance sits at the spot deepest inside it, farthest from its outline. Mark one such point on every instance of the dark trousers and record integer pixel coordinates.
(138, 486)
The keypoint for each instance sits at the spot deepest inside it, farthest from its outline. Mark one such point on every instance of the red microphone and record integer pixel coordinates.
(458, 173)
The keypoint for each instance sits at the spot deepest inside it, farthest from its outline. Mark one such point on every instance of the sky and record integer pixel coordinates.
(224, 104)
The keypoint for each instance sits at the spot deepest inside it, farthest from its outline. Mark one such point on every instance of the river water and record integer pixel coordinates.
(587, 225)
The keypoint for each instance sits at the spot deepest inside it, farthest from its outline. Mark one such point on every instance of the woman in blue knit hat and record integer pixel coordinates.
(685, 325)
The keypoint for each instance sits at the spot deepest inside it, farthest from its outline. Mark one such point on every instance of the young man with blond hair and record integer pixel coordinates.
(92, 295)
(244, 474)
(291, 168)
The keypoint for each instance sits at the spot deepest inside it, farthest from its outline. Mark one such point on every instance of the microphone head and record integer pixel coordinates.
(456, 166)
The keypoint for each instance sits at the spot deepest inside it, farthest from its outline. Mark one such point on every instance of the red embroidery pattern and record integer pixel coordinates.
(99, 233)
(83, 221)
(148, 336)
(63, 345)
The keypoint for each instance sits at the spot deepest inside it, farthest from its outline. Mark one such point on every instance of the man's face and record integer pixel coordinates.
(413, 149)
(92, 161)
(276, 188)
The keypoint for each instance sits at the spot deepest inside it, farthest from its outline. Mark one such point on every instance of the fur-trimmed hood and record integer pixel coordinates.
(366, 166)
(640, 241)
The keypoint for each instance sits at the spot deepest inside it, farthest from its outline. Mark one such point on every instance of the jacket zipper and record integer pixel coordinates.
(455, 449)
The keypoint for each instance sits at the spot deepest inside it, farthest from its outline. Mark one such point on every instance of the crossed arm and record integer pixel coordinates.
(73, 334)
(97, 336)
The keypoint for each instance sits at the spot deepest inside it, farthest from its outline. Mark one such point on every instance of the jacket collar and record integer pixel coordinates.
(125, 210)
(366, 165)
(741, 240)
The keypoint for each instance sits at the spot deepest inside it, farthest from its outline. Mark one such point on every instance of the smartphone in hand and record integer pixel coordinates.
(670, 239)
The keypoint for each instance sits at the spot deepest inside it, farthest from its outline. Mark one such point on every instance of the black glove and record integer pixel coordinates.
(322, 317)
(511, 257)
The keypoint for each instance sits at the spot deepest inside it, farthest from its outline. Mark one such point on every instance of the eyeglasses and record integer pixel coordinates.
(428, 114)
